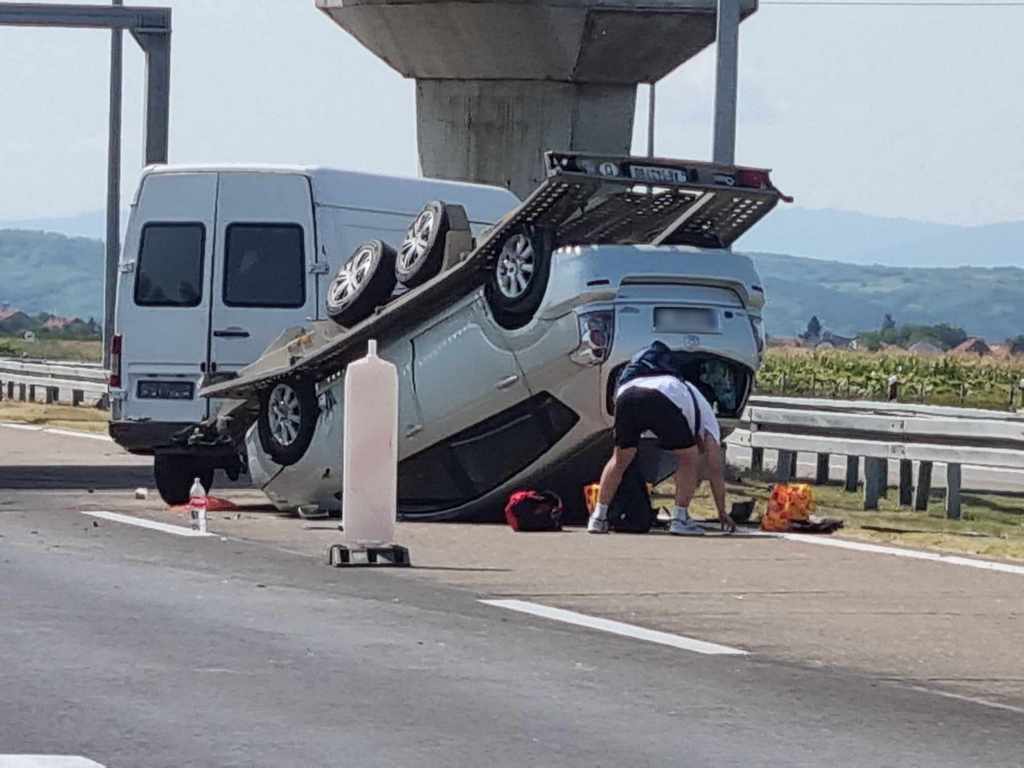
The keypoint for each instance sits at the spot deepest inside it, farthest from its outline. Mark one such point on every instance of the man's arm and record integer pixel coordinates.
(716, 477)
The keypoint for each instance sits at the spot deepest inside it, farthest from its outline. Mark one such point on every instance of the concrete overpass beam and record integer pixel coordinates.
(477, 130)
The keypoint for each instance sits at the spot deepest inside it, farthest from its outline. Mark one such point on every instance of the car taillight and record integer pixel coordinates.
(760, 337)
(747, 177)
(596, 332)
(115, 361)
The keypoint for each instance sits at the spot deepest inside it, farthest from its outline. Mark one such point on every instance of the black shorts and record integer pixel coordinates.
(638, 410)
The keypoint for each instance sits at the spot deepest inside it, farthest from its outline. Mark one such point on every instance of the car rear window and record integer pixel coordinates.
(265, 266)
(170, 268)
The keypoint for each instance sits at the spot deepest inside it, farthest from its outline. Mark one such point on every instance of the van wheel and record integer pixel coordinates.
(519, 278)
(362, 283)
(174, 474)
(287, 420)
(421, 254)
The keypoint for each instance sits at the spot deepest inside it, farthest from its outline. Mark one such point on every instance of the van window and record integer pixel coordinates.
(265, 266)
(170, 268)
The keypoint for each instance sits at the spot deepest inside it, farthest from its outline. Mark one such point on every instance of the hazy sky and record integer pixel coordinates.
(911, 112)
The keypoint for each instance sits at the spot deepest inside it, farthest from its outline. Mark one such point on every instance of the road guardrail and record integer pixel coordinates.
(59, 382)
(880, 432)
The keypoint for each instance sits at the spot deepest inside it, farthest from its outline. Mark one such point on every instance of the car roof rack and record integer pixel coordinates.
(585, 200)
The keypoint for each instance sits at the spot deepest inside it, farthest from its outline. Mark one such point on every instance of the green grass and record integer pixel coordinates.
(992, 525)
(82, 418)
(53, 349)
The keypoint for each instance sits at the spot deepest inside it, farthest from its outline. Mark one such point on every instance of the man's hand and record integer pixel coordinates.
(728, 524)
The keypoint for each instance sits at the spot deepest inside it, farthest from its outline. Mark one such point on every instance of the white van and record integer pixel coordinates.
(217, 261)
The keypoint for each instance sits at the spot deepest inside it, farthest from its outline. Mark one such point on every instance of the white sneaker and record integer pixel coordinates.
(685, 528)
(597, 524)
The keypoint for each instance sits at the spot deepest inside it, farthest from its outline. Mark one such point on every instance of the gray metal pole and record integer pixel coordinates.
(113, 190)
(157, 46)
(650, 119)
(726, 76)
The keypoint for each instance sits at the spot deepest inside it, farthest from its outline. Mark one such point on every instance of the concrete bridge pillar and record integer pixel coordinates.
(499, 82)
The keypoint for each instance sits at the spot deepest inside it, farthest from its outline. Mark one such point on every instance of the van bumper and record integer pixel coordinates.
(146, 437)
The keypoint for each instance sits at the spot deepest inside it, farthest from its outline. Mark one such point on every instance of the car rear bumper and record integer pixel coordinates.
(145, 437)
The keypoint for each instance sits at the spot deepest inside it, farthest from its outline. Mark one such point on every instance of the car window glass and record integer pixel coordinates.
(494, 451)
(169, 272)
(427, 480)
(264, 266)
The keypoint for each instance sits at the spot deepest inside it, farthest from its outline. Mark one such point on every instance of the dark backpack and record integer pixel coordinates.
(534, 511)
(656, 360)
(631, 510)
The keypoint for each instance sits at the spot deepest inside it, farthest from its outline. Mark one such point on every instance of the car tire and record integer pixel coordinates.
(174, 474)
(519, 278)
(421, 255)
(288, 414)
(363, 283)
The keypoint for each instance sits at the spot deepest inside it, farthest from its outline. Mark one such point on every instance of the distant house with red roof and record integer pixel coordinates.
(55, 323)
(14, 321)
(973, 346)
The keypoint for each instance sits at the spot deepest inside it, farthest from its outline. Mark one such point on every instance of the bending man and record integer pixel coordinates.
(652, 396)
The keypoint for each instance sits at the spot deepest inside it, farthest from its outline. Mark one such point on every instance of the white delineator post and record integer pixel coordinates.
(369, 495)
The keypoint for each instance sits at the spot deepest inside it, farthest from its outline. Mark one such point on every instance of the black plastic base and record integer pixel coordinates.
(341, 556)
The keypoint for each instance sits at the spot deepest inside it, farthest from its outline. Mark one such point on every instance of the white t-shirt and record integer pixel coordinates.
(679, 393)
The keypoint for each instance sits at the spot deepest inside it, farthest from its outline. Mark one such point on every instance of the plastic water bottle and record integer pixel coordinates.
(197, 506)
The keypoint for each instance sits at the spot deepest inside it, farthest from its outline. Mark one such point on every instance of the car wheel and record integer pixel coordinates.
(362, 283)
(519, 278)
(287, 419)
(421, 254)
(174, 474)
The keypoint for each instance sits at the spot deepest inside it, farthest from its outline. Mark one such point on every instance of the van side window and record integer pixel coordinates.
(265, 266)
(170, 268)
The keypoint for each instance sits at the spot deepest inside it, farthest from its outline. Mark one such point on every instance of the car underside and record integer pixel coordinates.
(549, 304)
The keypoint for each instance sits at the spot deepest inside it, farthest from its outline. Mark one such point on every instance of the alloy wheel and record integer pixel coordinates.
(515, 267)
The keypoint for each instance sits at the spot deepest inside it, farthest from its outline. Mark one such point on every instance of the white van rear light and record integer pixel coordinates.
(115, 361)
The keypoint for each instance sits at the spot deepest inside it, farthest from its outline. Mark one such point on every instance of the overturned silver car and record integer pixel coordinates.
(508, 349)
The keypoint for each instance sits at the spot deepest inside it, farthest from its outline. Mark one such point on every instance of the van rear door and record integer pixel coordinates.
(265, 270)
(163, 299)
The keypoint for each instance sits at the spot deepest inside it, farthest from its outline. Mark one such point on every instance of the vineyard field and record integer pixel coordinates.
(972, 382)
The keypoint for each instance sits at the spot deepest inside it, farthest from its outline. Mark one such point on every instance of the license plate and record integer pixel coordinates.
(685, 320)
(658, 175)
(165, 390)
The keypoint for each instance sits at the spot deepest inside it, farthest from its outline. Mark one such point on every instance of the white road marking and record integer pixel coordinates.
(178, 530)
(914, 554)
(617, 628)
(46, 761)
(55, 431)
(74, 433)
(969, 699)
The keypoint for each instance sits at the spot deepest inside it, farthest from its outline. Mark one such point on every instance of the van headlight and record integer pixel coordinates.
(596, 331)
(760, 337)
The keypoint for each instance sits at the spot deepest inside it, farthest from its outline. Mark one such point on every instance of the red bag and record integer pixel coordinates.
(534, 511)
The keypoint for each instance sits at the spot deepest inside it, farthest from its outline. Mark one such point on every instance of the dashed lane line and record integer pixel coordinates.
(141, 522)
(55, 431)
(617, 628)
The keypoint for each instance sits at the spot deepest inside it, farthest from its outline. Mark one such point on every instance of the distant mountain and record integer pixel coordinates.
(90, 224)
(858, 238)
(855, 238)
(849, 298)
(46, 272)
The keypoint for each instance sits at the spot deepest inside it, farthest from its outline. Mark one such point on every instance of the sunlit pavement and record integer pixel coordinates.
(243, 648)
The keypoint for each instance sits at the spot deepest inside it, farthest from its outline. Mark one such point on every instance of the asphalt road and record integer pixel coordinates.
(138, 648)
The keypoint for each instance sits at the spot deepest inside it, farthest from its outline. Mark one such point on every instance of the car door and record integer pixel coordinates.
(463, 372)
(163, 303)
(265, 269)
